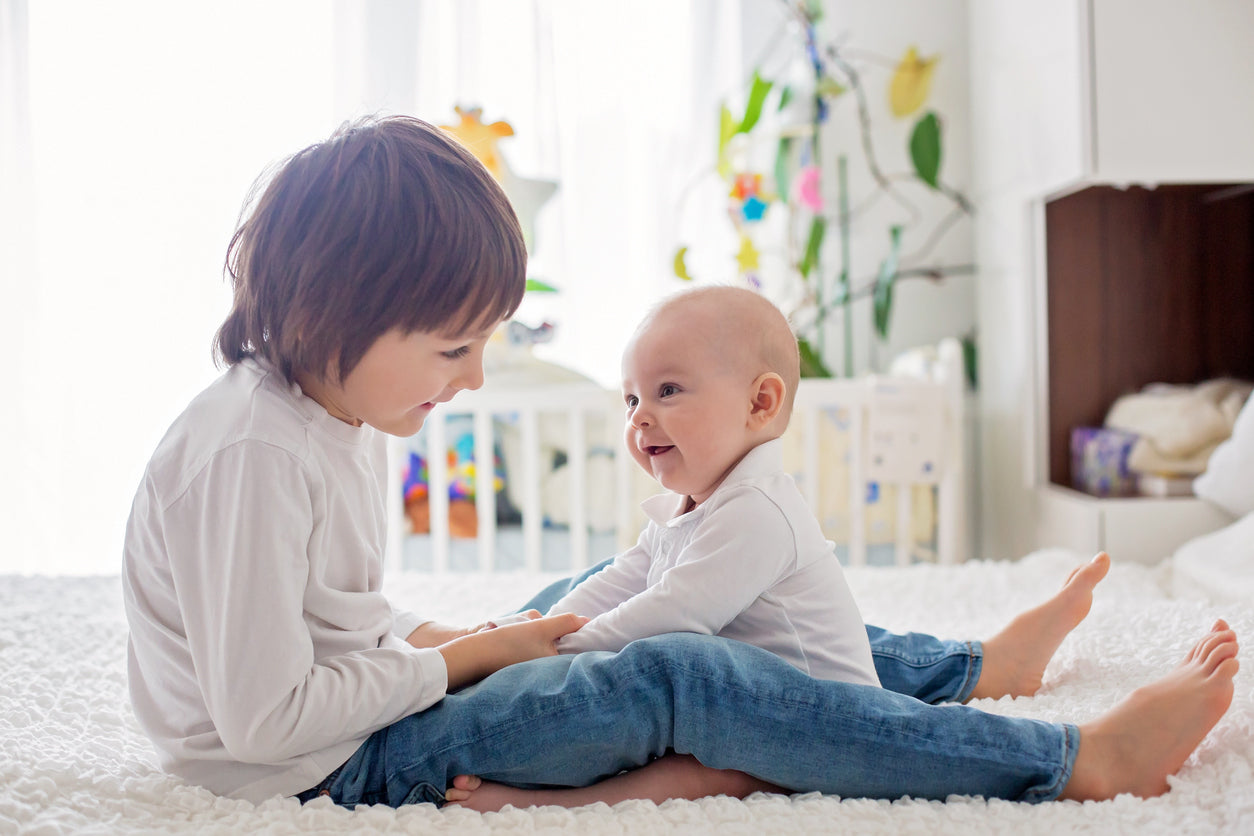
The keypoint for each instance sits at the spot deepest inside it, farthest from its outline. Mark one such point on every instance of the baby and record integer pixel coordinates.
(709, 379)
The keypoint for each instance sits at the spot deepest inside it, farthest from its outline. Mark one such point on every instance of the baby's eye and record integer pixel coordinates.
(667, 389)
(631, 400)
(457, 353)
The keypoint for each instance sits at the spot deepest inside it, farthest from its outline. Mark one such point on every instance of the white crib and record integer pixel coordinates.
(879, 458)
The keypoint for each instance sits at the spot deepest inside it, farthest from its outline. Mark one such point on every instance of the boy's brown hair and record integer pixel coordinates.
(389, 223)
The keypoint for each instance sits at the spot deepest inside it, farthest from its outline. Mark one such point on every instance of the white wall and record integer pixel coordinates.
(877, 33)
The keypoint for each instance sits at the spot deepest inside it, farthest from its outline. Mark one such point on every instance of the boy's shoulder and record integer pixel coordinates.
(248, 403)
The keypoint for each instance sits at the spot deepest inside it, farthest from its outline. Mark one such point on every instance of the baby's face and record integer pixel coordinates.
(688, 405)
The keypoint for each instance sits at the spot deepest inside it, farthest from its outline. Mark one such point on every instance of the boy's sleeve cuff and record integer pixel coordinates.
(405, 622)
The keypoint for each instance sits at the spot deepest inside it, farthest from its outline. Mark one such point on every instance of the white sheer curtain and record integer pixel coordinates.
(20, 481)
(131, 131)
(617, 103)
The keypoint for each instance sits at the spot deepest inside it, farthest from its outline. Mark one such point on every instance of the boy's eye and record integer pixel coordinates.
(668, 389)
(631, 400)
(457, 353)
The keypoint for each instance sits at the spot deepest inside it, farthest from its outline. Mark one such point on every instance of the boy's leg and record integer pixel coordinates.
(671, 776)
(567, 720)
(939, 670)
(573, 720)
(921, 666)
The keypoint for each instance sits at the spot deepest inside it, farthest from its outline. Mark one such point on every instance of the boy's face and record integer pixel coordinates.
(401, 378)
(688, 406)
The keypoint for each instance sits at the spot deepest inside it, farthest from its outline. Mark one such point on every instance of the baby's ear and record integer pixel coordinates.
(768, 399)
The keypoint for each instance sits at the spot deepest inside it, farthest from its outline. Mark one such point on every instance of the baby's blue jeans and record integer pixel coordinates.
(572, 720)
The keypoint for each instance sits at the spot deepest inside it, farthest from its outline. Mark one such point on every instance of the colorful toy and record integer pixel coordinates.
(463, 478)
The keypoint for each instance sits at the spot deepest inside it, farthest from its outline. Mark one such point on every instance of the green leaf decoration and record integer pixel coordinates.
(811, 363)
(883, 300)
(783, 154)
(925, 149)
(757, 96)
(830, 88)
(681, 269)
(810, 260)
(970, 360)
(785, 96)
(726, 130)
(537, 286)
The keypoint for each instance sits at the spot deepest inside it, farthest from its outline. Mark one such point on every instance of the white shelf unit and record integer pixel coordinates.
(1068, 94)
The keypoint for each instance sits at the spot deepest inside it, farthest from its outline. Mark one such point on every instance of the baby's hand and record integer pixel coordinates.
(473, 657)
(536, 637)
(515, 618)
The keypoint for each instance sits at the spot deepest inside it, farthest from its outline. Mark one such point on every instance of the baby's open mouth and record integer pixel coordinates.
(658, 450)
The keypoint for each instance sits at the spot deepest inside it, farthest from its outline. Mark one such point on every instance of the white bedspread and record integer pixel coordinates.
(73, 760)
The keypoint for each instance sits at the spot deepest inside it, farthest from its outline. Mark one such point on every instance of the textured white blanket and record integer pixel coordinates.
(73, 760)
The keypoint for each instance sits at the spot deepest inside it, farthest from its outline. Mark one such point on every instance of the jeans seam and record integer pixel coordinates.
(975, 666)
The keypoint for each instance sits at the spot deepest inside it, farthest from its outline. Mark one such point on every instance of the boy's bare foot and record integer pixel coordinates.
(1015, 659)
(672, 776)
(1148, 736)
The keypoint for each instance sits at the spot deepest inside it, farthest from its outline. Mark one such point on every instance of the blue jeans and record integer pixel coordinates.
(573, 720)
(914, 664)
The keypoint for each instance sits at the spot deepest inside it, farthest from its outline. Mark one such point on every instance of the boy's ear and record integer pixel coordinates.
(768, 399)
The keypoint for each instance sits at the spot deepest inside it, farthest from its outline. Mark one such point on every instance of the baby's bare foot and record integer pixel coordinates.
(1148, 736)
(1015, 659)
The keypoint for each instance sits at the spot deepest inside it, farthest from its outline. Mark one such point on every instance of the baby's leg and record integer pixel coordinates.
(1015, 659)
(673, 776)
(1148, 736)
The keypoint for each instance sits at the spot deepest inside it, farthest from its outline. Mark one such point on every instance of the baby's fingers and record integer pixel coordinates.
(557, 626)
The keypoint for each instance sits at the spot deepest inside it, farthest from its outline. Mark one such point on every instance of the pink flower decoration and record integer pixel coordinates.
(807, 188)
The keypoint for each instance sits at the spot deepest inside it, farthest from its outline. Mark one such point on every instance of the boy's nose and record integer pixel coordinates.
(640, 419)
(471, 376)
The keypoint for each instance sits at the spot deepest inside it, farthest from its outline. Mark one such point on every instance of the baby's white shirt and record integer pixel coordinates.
(750, 563)
(262, 652)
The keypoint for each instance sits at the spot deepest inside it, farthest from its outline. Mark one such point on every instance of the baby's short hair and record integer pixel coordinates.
(389, 223)
(746, 320)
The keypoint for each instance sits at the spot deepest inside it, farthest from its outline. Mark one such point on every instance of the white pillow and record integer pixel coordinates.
(1218, 565)
(1229, 478)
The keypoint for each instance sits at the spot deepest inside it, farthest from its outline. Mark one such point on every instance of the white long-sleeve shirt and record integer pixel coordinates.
(262, 652)
(750, 563)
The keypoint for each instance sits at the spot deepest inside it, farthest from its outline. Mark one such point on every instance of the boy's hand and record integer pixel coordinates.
(471, 658)
(434, 634)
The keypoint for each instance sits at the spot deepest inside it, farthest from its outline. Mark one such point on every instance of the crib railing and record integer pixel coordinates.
(577, 402)
(903, 432)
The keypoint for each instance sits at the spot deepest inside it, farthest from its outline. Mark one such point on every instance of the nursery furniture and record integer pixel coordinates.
(878, 458)
(1089, 289)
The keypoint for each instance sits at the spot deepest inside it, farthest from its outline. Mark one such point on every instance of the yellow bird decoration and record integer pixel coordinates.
(912, 81)
(481, 139)
(747, 257)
